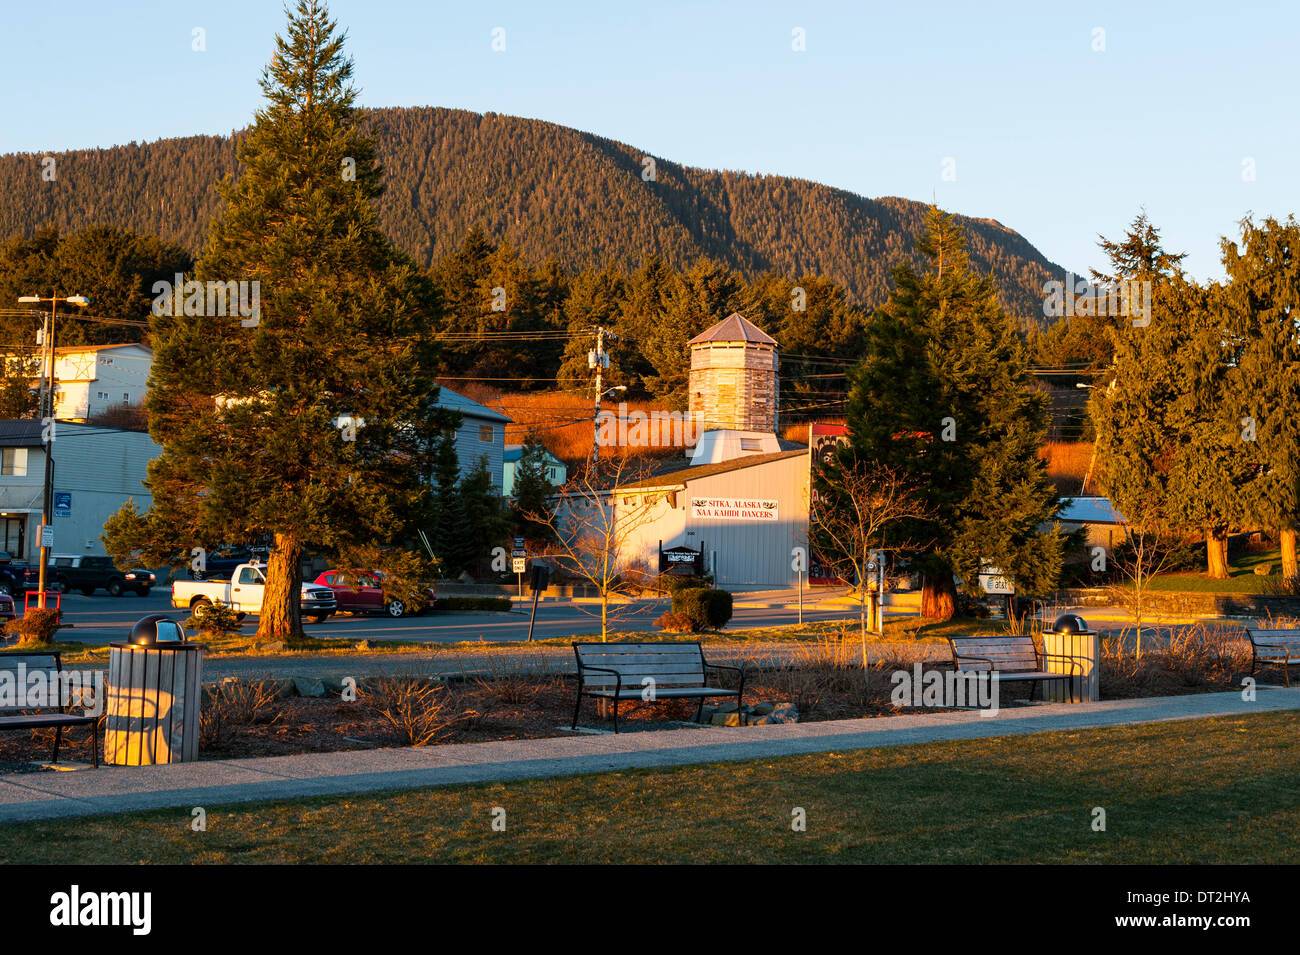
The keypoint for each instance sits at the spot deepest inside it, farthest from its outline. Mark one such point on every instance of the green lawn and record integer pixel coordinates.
(1244, 580)
(1208, 791)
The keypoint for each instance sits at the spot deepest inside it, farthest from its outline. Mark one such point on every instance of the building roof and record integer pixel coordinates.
(1089, 510)
(734, 328)
(468, 407)
(76, 349)
(514, 452)
(673, 478)
(20, 433)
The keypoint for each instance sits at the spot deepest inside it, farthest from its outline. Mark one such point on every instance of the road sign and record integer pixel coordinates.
(47, 535)
(519, 550)
(520, 565)
(62, 503)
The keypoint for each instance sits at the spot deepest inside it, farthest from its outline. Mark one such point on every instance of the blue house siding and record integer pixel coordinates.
(482, 433)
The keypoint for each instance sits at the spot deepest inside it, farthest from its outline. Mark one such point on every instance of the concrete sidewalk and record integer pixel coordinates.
(25, 797)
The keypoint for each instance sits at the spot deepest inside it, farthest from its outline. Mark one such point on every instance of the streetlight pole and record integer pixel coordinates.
(47, 422)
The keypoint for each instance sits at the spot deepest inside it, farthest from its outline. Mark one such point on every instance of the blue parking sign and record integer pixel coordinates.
(62, 503)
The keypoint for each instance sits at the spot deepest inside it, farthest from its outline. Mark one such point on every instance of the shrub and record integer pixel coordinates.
(453, 604)
(34, 626)
(417, 707)
(675, 623)
(673, 584)
(707, 609)
(215, 619)
(233, 703)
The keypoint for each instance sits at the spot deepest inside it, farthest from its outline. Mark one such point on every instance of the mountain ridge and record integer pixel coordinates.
(552, 191)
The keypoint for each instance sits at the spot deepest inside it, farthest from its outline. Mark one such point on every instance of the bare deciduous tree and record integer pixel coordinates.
(862, 507)
(593, 523)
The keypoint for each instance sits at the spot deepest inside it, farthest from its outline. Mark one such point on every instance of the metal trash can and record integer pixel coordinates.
(1070, 637)
(154, 696)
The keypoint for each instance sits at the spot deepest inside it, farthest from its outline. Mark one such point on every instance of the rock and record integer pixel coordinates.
(308, 687)
(284, 689)
(1263, 570)
(762, 720)
(275, 647)
(365, 645)
(333, 684)
(728, 707)
(786, 713)
(726, 719)
(763, 709)
(706, 714)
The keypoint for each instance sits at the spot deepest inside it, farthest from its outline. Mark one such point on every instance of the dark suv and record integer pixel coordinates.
(16, 577)
(88, 574)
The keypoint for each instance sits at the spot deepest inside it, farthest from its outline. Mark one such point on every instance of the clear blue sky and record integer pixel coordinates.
(1052, 138)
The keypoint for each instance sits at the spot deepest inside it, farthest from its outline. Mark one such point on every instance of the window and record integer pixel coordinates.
(14, 461)
(250, 575)
(485, 433)
(126, 398)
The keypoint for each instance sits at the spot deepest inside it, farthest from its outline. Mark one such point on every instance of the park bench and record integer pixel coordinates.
(1014, 657)
(1275, 647)
(649, 672)
(54, 713)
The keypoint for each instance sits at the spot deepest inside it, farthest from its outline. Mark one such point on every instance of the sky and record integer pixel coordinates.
(1060, 120)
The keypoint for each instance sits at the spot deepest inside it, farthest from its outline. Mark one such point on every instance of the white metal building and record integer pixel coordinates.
(96, 470)
(90, 379)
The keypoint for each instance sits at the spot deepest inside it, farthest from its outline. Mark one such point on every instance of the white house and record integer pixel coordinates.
(556, 470)
(96, 470)
(90, 379)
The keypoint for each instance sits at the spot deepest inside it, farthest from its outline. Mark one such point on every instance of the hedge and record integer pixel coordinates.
(708, 609)
(452, 604)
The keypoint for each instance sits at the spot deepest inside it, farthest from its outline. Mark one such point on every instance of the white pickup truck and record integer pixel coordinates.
(242, 593)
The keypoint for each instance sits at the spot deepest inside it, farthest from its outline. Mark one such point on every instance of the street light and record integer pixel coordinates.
(47, 419)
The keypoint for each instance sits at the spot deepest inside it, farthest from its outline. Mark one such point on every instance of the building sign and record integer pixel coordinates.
(520, 564)
(62, 503)
(733, 509)
(681, 560)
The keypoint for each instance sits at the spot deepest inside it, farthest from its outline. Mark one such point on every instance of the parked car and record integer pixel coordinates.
(243, 594)
(6, 607)
(88, 574)
(363, 592)
(17, 577)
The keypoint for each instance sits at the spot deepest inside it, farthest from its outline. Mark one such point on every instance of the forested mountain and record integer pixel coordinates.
(551, 192)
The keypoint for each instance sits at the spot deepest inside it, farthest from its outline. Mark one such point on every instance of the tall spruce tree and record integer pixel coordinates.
(311, 421)
(1263, 303)
(533, 491)
(945, 399)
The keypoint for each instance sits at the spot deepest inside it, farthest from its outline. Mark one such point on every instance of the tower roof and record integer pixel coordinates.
(734, 328)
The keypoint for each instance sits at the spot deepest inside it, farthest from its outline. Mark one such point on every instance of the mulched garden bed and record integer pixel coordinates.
(823, 684)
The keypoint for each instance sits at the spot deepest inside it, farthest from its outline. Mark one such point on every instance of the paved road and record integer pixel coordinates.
(101, 619)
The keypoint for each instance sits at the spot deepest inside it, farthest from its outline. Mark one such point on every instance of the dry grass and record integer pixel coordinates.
(1067, 463)
(798, 430)
(1199, 657)
(562, 419)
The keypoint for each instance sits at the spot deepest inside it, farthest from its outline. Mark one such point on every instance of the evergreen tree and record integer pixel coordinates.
(1263, 302)
(533, 491)
(944, 399)
(484, 521)
(311, 421)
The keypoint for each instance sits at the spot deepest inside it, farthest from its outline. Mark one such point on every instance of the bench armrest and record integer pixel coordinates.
(618, 677)
(723, 666)
(1073, 661)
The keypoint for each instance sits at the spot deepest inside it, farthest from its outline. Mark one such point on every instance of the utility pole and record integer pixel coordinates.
(47, 422)
(598, 359)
